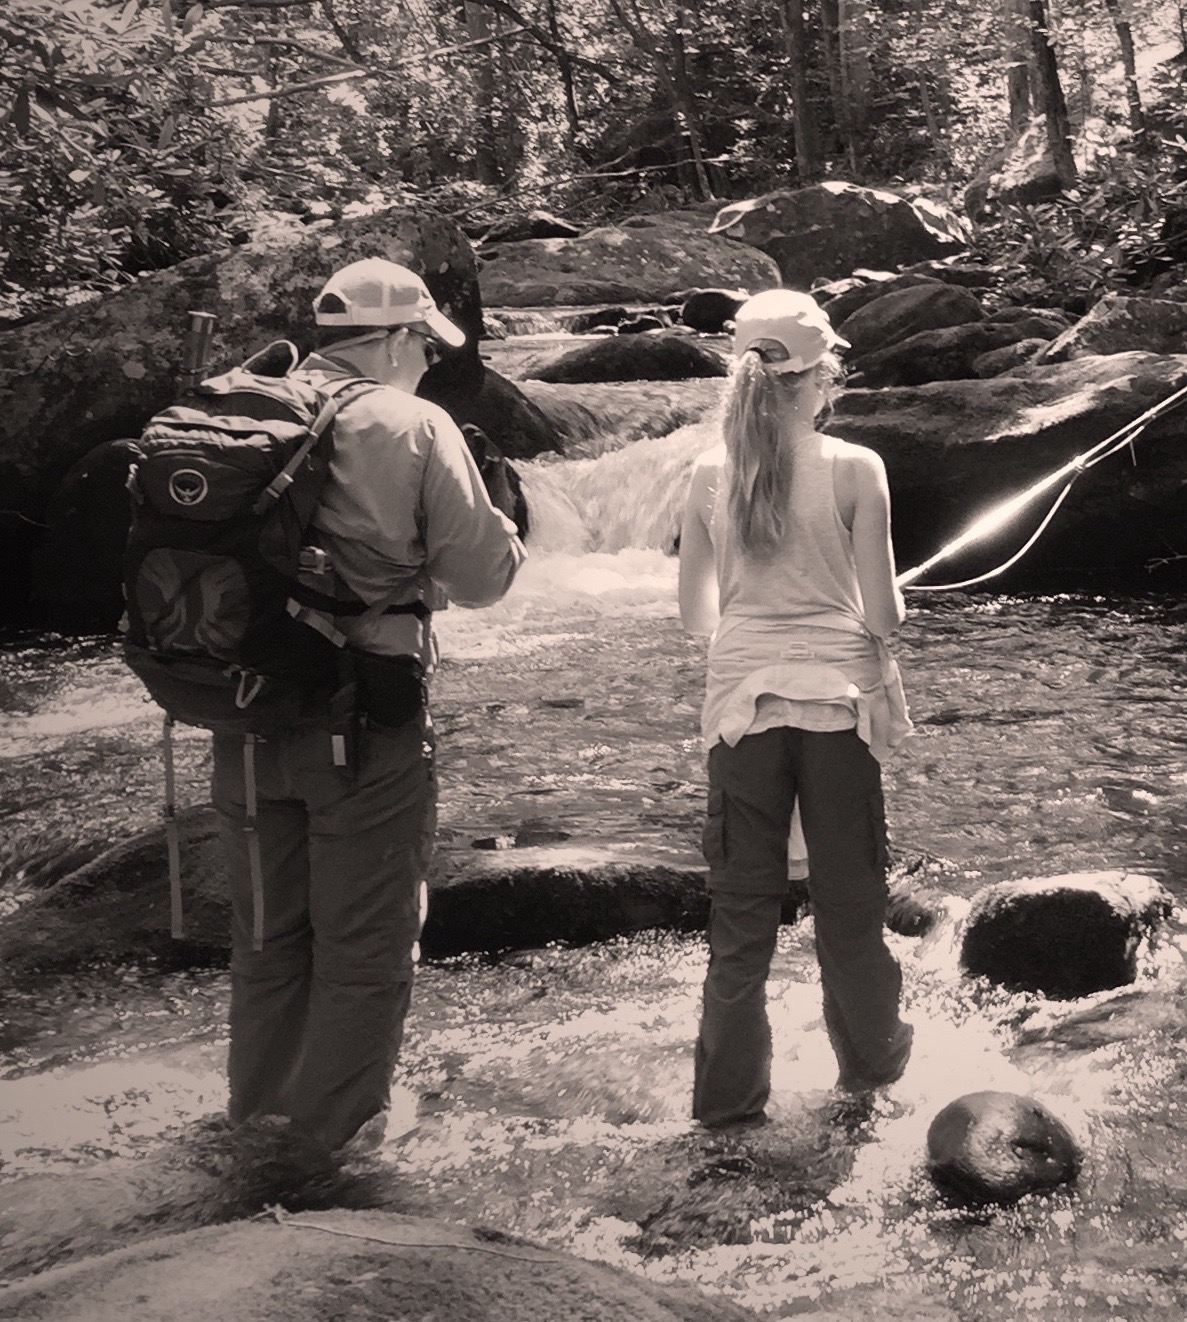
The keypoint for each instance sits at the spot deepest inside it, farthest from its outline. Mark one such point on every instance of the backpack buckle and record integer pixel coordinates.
(245, 696)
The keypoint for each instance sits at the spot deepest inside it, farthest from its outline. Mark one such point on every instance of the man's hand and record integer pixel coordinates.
(500, 479)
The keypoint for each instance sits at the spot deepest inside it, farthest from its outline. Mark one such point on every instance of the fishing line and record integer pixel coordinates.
(1003, 513)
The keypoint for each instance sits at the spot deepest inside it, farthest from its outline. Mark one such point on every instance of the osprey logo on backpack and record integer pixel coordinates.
(188, 487)
(224, 488)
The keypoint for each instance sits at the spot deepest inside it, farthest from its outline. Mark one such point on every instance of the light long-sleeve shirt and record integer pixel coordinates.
(405, 516)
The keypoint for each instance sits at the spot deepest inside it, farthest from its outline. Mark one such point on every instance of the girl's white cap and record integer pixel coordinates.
(785, 319)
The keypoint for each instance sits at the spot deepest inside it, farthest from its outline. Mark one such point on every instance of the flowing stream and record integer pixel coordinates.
(546, 1093)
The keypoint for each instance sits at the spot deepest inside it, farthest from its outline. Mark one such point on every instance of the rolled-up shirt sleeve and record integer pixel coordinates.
(472, 551)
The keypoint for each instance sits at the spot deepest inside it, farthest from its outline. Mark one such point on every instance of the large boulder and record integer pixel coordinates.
(895, 315)
(519, 428)
(76, 570)
(368, 1266)
(954, 448)
(96, 371)
(996, 1147)
(830, 230)
(644, 259)
(638, 358)
(949, 353)
(999, 361)
(1063, 936)
(1120, 323)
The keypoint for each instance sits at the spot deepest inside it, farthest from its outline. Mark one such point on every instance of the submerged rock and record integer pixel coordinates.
(116, 906)
(995, 1147)
(634, 358)
(708, 310)
(1064, 936)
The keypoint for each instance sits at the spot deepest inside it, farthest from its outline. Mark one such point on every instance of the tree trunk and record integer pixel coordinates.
(807, 157)
(926, 102)
(673, 77)
(1019, 63)
(479, 26)
(686, 98)
(565, 68)
(854, 62)
(1137, 118)
(1050, 95)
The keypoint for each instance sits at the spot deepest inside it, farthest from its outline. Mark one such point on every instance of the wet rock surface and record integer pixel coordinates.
(635, 358)
(1063, 936)
(365, 1265)
(996, 1147)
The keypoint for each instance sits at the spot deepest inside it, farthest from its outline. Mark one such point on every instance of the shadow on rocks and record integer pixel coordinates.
(206, 1174)
(733, 1178)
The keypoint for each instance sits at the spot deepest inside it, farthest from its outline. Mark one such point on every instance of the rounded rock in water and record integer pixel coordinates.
(995, 1147)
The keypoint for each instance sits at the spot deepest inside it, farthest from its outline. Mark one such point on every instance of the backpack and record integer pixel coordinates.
(220, 628)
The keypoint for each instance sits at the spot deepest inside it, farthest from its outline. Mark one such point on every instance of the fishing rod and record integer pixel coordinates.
(193, 367)
(1000, 515)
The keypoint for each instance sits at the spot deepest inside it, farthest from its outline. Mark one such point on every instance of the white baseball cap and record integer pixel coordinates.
(794, 322)
(375, 292)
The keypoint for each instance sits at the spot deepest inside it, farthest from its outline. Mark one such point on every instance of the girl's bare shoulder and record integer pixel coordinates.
(860, 456)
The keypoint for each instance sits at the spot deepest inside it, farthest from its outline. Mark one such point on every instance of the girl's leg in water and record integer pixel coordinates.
(751, 792)
(840, 791)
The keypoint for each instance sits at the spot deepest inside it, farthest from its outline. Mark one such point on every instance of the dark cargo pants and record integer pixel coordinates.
(752, 788)
(317, 1015)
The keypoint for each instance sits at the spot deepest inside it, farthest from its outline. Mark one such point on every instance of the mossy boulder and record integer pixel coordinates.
(634, 358)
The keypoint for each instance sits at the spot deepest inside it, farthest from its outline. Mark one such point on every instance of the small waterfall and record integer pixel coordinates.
(629, 498)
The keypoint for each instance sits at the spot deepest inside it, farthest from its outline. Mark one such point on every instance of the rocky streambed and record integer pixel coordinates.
(548, 1089)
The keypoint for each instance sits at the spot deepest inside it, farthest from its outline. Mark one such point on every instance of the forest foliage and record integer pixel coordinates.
(134, 133)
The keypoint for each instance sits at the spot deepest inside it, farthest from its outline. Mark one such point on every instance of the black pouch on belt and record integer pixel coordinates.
(391, 689)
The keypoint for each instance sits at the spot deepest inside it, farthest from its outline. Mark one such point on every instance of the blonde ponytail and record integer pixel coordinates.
(760, 457)
(759, 460)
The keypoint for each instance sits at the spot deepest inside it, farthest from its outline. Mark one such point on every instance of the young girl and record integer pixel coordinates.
(786, 562)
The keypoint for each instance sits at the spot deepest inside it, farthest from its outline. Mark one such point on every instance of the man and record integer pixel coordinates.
(405, 524)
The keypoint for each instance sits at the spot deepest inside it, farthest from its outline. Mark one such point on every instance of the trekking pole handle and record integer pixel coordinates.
(197, 347)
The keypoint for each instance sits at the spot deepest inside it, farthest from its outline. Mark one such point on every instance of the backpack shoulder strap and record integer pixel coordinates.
(333, 397)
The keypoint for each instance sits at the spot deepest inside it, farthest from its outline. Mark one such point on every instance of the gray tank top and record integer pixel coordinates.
(812, 575)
